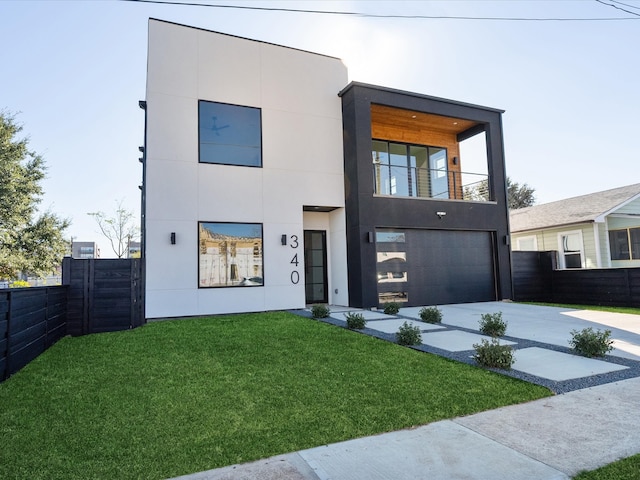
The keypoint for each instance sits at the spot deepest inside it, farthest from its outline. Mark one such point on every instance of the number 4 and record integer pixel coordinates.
(294, 260)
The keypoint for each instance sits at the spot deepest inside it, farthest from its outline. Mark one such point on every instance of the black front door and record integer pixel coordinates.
(315, 266)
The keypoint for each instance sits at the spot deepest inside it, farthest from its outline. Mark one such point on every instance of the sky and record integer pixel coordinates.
(74, 71)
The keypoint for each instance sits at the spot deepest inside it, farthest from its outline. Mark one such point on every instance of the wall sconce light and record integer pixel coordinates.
(283, 239)
(142, 104)
(173, 238)
(370, 238)
(441, 214)
(455, 160)
(141, 149)
(507, 240)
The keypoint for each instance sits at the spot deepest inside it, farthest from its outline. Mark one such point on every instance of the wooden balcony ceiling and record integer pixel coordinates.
(411, 120)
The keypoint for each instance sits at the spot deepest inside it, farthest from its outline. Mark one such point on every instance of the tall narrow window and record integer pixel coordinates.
(229, 134)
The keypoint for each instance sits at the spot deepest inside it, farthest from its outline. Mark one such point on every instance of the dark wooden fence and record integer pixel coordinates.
(105, 295)
(96, 296)
(31, 320)
(535, 279)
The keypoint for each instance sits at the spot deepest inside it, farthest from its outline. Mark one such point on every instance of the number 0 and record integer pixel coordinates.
(295, 277)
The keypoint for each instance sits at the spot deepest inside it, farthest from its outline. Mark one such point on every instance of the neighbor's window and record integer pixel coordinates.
(527, 243)
(625, 244)
(571, 250)
(230, 254)
(409, 170)
(229, 134)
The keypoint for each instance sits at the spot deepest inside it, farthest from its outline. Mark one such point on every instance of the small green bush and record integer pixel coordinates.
(408, 335)
(320, 311)
(590, 343)
(355, 321)
(391, 308)
(431, 314)
(492, 324)
(493, 355)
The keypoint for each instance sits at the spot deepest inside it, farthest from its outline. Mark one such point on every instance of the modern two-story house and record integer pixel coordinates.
(270, 182)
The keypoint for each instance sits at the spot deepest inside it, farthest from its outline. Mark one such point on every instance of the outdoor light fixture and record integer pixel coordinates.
(142, 104)
(441, 214)
(455, 160)
(507, 240)
(283, 239)
(370, 237)
(141, 149)
(173, 238)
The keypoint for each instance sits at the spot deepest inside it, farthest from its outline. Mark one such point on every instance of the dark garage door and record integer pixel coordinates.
(444, 267)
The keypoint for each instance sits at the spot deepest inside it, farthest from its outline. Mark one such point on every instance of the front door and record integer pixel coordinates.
(315, 266)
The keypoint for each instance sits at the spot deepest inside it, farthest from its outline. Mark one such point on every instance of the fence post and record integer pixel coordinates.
(7, 358)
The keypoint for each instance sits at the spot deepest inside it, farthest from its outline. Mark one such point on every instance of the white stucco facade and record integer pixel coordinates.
(302, 166)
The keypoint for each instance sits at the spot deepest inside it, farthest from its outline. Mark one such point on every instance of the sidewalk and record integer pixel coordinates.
(549, 439)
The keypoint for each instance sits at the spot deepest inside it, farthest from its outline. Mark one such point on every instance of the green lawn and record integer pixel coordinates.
(177, 397)
(600, 308)
(626, 469)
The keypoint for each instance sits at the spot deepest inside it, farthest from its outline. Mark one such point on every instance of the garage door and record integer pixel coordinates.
(435, 267)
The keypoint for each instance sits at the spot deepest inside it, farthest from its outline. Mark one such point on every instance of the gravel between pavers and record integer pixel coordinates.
(564, 386)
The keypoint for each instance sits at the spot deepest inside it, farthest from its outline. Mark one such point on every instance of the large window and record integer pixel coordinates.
(229, 134)
(409, 170)
(625, 244)
(230, 254)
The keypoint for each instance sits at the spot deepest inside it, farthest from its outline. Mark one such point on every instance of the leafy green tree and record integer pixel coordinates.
(120, 229)
(518, 196)
(31, 243)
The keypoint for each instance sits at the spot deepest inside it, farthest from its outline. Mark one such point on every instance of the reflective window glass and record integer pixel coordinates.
(229, 134)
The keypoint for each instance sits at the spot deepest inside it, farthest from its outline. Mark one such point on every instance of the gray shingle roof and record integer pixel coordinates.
(585, 208)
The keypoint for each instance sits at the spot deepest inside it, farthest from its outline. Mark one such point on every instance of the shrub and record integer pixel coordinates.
(320, 311)
(391, 308)
(591, 344)
(493, 355)
(19, 284)
(408, 335)
(431, 314)
(355, 321)
(492, 324)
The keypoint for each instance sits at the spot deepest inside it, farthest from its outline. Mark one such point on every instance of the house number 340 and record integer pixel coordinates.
(294, 244)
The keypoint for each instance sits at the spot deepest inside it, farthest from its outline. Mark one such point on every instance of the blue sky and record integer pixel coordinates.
(74, 71)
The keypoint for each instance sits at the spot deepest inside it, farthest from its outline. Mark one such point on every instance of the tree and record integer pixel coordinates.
(30, 244)
(120, 229)
(518, 196)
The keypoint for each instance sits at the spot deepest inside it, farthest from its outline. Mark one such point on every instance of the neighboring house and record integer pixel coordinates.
(84, 250)
(134, 249)
(599, 230)
(270, 183)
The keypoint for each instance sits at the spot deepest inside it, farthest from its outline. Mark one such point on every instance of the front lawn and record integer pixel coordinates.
(177, 397)
(626, 469)
(600, 308)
